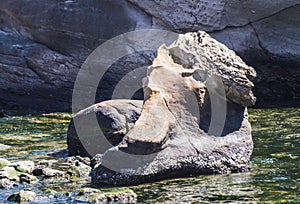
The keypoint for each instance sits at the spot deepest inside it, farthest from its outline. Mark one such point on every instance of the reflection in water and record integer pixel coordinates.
(275, 175)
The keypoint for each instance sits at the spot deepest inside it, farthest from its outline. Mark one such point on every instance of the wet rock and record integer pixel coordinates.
(4, 163)
(6, 183)
(24, 166)
(125, 195)
(48, 172)
(115, 119)
(27, 178)
(194, 117)
(79, 169)
(22, 196)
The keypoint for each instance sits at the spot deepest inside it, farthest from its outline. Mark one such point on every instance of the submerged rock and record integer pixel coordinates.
(193, 119)
(22, 196)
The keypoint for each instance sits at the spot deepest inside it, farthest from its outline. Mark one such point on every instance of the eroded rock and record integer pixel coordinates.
(193, 81)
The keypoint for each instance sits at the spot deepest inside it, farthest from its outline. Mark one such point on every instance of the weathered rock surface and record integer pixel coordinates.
(43, 43)
(115, 119)
(191, 82)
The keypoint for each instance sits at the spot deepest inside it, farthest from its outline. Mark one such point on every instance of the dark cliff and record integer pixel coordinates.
(43, 44)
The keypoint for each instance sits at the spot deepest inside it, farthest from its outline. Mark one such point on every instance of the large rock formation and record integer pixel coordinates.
(193, 120)
(43, 43)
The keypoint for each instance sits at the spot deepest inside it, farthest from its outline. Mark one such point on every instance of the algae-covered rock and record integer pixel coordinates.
(4, 163)
(10, 173)
(86, 190)
(22, 196)
(124, 195)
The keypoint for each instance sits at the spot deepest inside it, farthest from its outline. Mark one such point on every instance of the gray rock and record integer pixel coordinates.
(193, 119)
(6, 183)
(24, 166)
(22, 196)
(10, 173)
(4, 147)
(115, 118)
(86, 190)
(48, 172)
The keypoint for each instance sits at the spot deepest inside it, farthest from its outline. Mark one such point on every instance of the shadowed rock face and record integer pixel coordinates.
(168, 139)
(44, 43)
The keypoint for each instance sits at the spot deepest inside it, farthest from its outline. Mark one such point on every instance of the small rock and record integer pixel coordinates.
(126, 195)
(27, 178)
(4, 163)
(46, 163)
(22, 196)
(48, 172)
(79, 169)
(6, 183)
(9, 173)
(24, 166)
(84, 191)
(4, 147)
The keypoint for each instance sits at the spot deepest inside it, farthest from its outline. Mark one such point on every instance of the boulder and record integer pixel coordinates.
(115, 118)
(194, 118)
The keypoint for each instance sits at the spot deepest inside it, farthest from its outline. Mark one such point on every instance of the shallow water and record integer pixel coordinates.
(275, 163)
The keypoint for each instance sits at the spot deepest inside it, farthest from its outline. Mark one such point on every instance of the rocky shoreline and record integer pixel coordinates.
(28, 175)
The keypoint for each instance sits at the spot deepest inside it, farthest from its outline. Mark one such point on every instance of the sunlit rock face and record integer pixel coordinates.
(193, 120)
(44, 43)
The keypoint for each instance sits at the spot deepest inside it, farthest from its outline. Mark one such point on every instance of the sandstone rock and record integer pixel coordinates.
(191, 82)
(115, 118)
(22, 196)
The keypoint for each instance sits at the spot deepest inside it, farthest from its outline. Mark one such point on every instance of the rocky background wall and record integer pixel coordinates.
(44, 42)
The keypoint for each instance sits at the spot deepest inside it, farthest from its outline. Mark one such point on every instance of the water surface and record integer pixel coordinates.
(274, 175)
